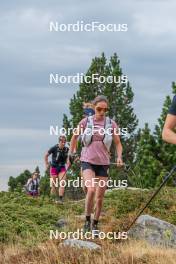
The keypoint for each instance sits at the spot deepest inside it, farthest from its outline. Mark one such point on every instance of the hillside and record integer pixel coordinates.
(25, 224)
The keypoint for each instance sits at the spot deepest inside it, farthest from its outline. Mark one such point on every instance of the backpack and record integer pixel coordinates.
(88, 133)
(62, 155)
(35, 186)
(31, 186)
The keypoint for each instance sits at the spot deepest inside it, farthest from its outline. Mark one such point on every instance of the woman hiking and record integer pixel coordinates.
(59, 161)
(88, 110)
(32, 185)
(95, 158)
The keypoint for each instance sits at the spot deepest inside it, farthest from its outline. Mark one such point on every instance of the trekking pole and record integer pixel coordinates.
(127, 170)
(124, 165)
(166, 178)
(72, 160)
(71, 163)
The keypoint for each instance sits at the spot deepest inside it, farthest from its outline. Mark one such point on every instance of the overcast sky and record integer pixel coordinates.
(29, 52)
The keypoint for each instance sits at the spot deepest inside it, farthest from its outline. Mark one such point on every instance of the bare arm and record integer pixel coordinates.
(119, 149)
(28, 182)
(73, 142)
(46, 160)
(168, 134)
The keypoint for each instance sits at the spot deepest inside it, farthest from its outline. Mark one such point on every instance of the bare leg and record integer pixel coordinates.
(88, 175)
(62, 179)
(84, 186)
(53, 187)
(99, 195)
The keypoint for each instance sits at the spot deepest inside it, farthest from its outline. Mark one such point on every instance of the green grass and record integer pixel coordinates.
(127, 202)
(27, 220)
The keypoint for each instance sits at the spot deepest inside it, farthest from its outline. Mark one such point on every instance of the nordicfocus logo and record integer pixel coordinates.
(79, 234)
(81, 78)
(81, 26)
(77, 183)
(55, 130)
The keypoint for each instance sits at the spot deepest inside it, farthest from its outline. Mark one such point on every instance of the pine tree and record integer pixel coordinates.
(66, 125)
(45, 184)
(37, 170)
(17, 183)
(120, 96)
(147, 166)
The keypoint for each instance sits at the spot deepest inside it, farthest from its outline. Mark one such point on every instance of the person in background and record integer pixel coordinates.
(88, 109)
(169, 132)
(32, 186)
(59, 162)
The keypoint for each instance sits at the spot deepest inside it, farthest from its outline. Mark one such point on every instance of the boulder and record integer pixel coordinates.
(81, 244)
(61, 223)
(154, 231)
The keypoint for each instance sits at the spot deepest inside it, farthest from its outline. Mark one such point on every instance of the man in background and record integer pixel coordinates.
(169, 132)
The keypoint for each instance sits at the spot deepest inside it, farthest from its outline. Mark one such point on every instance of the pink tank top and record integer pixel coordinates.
(96, 152)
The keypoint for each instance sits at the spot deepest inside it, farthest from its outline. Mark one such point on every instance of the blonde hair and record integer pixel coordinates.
(88, 105)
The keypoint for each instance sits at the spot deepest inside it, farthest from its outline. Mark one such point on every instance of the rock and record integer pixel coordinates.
(154, 231)
(136, 189)
(61, 223)
(81, 244)
(103, 213)
(126, 188)
(80, 217)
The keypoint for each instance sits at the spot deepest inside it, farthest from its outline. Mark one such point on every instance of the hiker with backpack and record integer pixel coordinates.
(168, 134)
(88, 110)
(95, 158)
(59, 164)
(32, 186)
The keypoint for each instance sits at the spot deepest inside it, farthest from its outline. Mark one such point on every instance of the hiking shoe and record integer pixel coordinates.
(87, 227)
(58, 201)
(95, 231)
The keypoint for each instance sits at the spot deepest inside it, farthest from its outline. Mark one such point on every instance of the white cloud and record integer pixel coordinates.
(156, 20)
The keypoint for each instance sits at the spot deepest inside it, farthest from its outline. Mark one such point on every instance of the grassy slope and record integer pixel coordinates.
(25, 222)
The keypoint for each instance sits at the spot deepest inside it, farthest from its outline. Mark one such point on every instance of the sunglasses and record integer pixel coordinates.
(99, 109)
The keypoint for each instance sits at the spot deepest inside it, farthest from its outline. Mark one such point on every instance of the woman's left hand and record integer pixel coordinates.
(119, 162)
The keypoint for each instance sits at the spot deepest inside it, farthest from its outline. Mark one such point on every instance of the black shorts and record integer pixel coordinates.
(100, 170)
